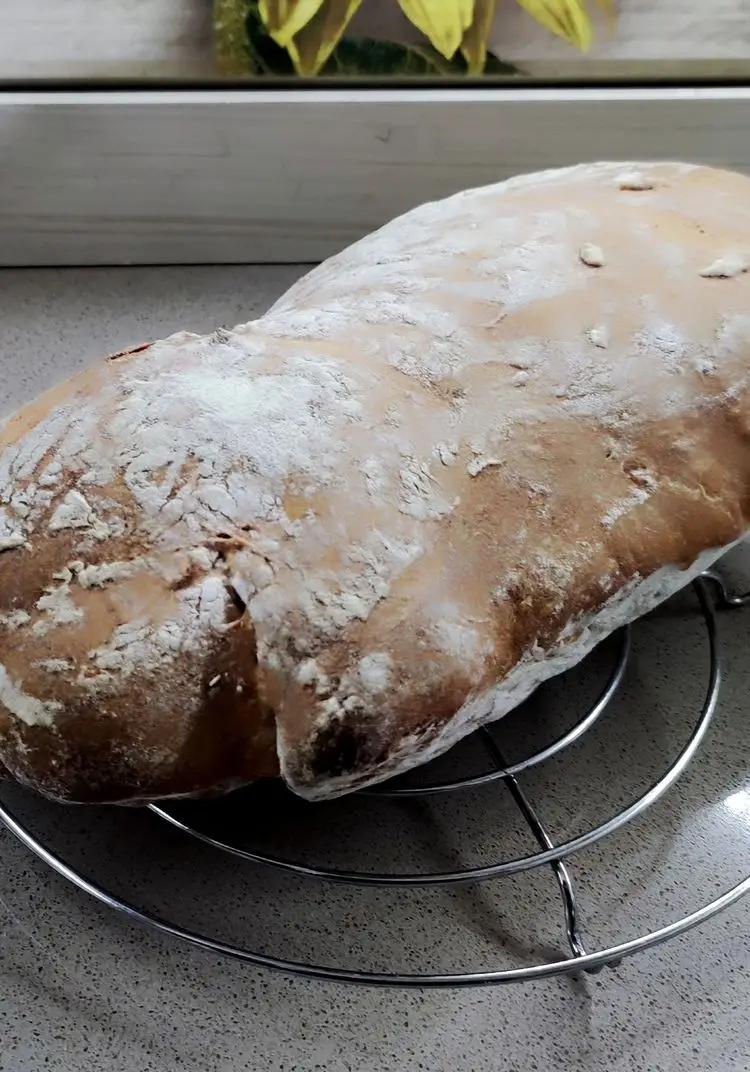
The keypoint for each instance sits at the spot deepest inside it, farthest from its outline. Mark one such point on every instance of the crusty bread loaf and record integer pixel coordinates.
(439, 470)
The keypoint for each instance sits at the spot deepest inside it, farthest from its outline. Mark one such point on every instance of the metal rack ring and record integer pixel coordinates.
(549, 853)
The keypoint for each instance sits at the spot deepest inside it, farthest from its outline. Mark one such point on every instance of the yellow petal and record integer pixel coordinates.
(285, 18)
(579, 24)
(444, 21)
(474, 44)
(566, 18)
(316, 41)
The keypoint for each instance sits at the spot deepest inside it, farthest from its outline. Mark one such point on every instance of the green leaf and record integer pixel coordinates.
(366, 58)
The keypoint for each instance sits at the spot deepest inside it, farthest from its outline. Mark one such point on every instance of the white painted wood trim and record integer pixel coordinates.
(220, 176)
(106, 39)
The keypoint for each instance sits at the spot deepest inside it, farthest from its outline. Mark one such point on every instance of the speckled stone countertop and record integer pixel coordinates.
(83, 988)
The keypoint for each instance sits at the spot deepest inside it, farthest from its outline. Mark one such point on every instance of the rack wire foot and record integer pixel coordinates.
(560, 869)
(725, 601)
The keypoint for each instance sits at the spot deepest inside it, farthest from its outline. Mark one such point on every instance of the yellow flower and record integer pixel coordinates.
(308, 29)
(314, 43)
(566, 18)
(311, 29)
(474, 43)
(467, 23)
(443, 21)
(285, 18)
(454, 24)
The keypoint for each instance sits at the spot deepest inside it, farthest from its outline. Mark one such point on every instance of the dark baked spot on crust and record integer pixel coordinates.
(188, 579)
(341, 748)
(237, 601)
(128, 353)
(156, 735)
(224, 543)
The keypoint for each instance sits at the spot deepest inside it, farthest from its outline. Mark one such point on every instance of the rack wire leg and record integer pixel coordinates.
(560, 869)
(725, 600)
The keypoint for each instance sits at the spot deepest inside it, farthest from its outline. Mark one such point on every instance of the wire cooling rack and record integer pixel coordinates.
(712, 594)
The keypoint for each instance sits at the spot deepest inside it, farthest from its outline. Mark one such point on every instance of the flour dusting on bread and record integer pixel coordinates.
(354, 529)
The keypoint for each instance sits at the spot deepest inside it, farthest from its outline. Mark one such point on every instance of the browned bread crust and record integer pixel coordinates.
(441, 468)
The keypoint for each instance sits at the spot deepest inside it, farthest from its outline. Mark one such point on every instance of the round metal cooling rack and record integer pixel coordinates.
(550, 854)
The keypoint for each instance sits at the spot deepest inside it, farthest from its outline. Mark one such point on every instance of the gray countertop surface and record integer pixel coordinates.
(83, 988)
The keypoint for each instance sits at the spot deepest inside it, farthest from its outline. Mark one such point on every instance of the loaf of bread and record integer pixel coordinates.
(330, 543)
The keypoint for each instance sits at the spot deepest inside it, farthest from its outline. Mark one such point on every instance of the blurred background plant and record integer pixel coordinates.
(308, 37)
